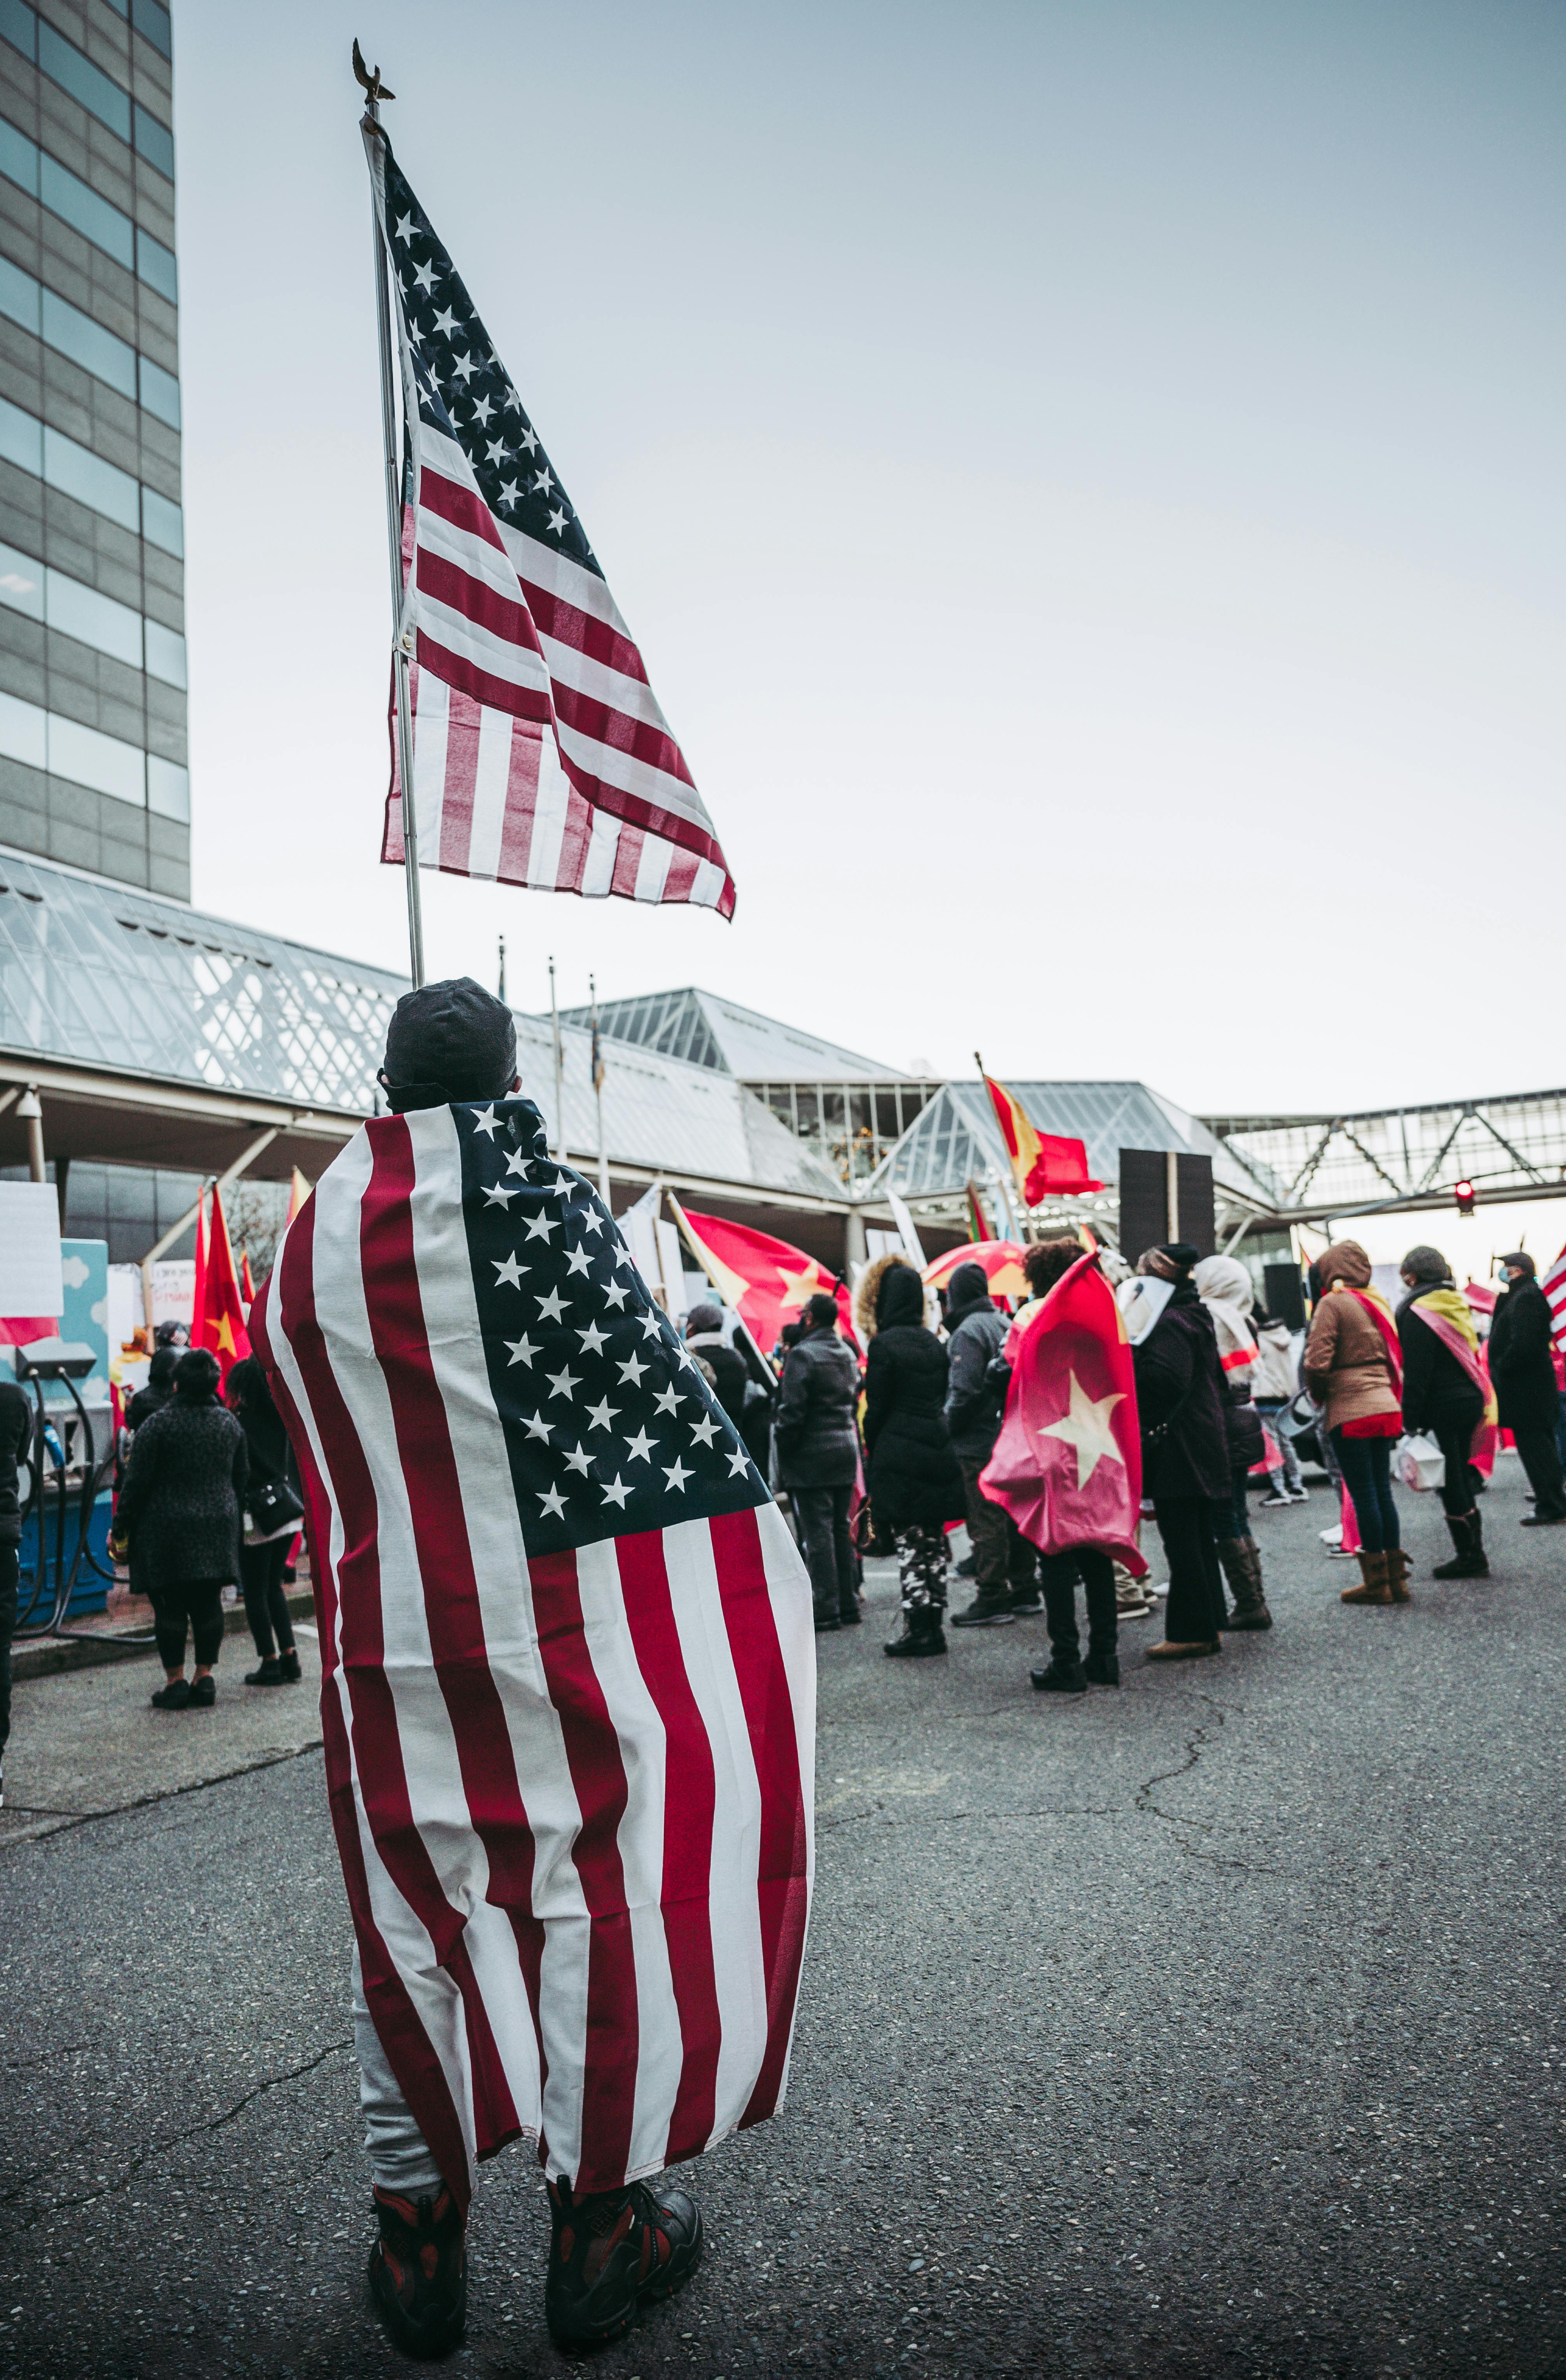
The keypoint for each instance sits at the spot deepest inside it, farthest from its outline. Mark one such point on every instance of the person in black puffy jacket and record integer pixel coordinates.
(1180, 1398)
(1003, 1560)
(1521, 1337)
(817, 1443)
(178, 1513)
(16, 1436)
(915, 1486)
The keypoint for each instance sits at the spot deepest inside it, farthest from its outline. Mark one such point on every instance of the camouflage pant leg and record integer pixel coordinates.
(922, 1566)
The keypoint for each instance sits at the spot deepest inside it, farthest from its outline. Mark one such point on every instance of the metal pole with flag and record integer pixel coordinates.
(597, 1094)
(559, 1067)
(374, 93)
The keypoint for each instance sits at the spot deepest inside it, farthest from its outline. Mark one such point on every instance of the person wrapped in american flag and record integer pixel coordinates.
(568, 1690)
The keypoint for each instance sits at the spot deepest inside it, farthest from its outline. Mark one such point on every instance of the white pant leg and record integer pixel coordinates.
(398, 2152)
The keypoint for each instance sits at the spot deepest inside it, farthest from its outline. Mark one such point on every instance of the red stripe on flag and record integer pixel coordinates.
(567, 624)
(689, 1800)
(608, 2066)
(769, 1714)
(463, 507)
(504, 616)
(494, 693)
(358, 1582)
(480, 1734)
(618, 730)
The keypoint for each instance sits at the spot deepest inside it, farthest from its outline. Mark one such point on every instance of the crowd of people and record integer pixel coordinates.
(893, 1459)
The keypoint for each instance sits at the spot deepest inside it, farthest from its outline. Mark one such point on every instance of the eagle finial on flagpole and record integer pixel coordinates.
(370, 82)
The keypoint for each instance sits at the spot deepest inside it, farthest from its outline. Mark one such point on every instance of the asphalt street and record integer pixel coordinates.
(1210, 2026)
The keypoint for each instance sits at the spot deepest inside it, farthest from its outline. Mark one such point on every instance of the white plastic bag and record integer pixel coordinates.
(1419, 1463)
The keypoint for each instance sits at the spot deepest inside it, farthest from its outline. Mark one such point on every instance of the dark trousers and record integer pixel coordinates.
(266, 1606)
(9, 1570)
(1003, 1559)
(1366, 1465)
(829, 1554)
(1459, 1488)
(1536, 1445)
(1058, 1574)
(1233, 1519)
(1196, 1610)
(193, 1604)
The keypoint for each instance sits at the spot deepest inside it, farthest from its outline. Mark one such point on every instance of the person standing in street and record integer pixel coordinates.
(16, 1433)
(1224, 1288)
(1274, 1386)
(178, 1519)
(271, 1517)
(155, 1389)
(1185, 1453)
(1520, 1346)
(1003, 1560)
(1059, 1574)
(1445, 1395)
(915, 1485)
(1354, 1368)
(817, 1444)
(566, 1673)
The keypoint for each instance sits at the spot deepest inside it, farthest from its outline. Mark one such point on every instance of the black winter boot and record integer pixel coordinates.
(613, 2251)
(1469, 1561)
(418, 2272)
(1229, 1555)
(1062, 1676)
(922, 1635)
(1250, 1603)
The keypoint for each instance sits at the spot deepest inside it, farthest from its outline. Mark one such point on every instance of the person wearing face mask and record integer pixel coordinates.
(1524, 1384)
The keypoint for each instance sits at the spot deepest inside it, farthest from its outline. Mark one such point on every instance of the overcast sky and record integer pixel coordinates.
(1085, 480)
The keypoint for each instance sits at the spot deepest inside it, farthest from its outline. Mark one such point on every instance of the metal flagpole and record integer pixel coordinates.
(597, 1094)
(375, 91)
(559, 1069)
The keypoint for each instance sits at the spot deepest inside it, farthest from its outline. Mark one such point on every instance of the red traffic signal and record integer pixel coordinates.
(1464, 1194)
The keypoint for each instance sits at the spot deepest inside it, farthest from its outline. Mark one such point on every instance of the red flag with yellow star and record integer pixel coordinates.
(765, 1282)
(219, 1320)
(1067, 1464)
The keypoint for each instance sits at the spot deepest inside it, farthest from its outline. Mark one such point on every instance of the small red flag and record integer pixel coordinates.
(219, 1321)
(247, 1286)
(1043, 1162)
(1067, 1464)
(766, 1281)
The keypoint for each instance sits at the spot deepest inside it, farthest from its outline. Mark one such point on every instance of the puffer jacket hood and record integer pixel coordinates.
(868, 1295)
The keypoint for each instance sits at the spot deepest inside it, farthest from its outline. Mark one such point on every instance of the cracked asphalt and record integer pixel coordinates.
(1213, 2026)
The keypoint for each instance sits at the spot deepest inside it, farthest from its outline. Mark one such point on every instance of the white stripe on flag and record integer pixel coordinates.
(598, 875)
(431, 724)
(653, 869)
(551, 805)
(491, 782)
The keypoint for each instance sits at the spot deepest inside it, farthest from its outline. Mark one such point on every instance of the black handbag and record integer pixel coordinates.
(271, 1505)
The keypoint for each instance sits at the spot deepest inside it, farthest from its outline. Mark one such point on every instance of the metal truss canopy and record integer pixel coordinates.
(1508, 1148)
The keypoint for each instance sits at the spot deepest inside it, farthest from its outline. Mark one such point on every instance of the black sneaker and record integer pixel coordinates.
(288, 1666)
(980, 1614)
(174, 1696)
(418, 2272)
(1276, 1502)
(827, 1623)
(1101, 1668)
(203, 1693)
(612, 2252)
(849, 1614)
(967, 1566)
(1541, 1520)
(269, 1674)
(1025, 1602)
(1060, 1678)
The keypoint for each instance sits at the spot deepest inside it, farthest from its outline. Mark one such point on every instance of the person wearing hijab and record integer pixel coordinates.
(1225, 1288)
(1185, 1447)
(1521, 1337)
(1354, 1368)
(1446, 1394)
(263, 1551)
(915, 1485)
(1003, 1560)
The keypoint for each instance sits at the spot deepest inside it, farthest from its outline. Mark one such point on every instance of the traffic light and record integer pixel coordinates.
(1464, 1194)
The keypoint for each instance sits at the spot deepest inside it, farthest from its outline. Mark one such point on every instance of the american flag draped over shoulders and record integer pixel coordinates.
(540, 755)
(569, 1667)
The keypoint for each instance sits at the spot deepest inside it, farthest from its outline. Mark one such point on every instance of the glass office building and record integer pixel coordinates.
(93, 764)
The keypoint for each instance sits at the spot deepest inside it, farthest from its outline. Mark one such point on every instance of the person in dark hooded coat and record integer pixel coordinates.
(1003, 1560)
(817, 1442)
(915, 1486)
(1524, 1375)
(1180, 1398)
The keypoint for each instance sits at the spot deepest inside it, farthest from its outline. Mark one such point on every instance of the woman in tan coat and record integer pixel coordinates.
(1353, 1368)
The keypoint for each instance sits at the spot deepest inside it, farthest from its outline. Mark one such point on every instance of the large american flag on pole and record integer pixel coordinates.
(568, 1664)
(540, 755)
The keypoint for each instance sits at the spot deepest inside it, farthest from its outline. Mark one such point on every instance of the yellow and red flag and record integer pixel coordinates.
(1067, 1464)
(1044, 1163)
(219, 1320)
(765, 1281)
(300, 1191)
(247, 1286)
